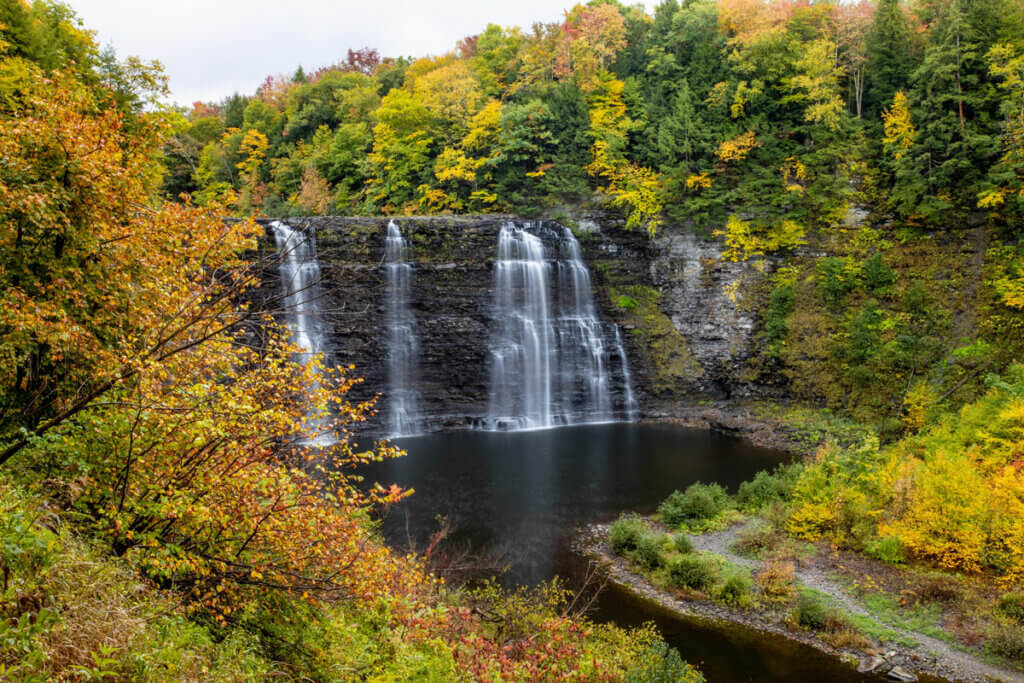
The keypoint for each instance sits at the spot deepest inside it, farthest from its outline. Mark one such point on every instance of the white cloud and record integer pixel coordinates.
(212, 48)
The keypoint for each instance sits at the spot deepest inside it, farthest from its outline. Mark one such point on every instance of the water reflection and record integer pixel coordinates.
(522, 495)
(533, 488)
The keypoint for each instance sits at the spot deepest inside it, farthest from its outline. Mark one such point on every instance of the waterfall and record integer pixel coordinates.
(627, 377)
(300, 283)
(551, 356)
(521, 350)
(581, 338)
(403, 346)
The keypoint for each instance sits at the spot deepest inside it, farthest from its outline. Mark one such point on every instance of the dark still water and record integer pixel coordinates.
(519, 497)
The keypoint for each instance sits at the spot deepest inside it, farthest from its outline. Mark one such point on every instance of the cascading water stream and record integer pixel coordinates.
(300, 283)
(627, 377)
(521, 349)
(551, 357)
(403, 345)
(581, 339)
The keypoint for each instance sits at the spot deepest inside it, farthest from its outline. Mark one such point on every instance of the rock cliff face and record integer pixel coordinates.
(688, 333)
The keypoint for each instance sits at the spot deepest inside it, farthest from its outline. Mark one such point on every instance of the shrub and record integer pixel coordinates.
(662, 664)
(626, 301)
(692, 571)
(755, 539)
(626, 532)
(888, 549)
(648, 551)
(683, 543)
(672, 509)
(940, 589)
(811, 612)
(1012, 606)
(915, 299)
(736, 591)
(836, 279)
(841, 634)
(863, 341)
(769, 487)
(877, 274)
(776, 580)
(700, 501)
(1007, 640)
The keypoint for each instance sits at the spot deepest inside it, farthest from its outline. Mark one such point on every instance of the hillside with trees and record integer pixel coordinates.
(689, 114)
(159, 518)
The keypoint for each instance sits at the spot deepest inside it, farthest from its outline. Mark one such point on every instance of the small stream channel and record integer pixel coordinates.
(520, 497)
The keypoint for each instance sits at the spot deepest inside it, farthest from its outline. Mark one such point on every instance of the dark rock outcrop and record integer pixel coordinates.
(690, 339)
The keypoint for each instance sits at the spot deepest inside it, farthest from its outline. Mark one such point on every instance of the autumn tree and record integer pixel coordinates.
(592, 36)
(632, 188)
(364, 60)
(402, 141)
(538, 55)
(468, 169)
(495, 59)
(816, 85)
(125, 367)
(853, 21)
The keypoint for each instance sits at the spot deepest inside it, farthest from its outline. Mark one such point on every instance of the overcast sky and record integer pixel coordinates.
(212, 48)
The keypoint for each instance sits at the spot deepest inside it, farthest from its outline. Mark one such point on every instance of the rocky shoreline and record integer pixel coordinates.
(735, 420)
(894, 662)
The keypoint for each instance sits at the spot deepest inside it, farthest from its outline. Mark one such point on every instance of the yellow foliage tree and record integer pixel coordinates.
(466, 170)
(698, 181)
(314, 194)
(952, 493)
(449, 90)
(899, 126)
(945, 519)
(253, 151)
(737, 148)
(817, 84)
(745, 240)
(633, 188)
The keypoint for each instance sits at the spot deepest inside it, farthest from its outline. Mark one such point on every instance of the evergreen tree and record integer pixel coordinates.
(890, 60)
(955, 141)
(678, 132)
(234, 110)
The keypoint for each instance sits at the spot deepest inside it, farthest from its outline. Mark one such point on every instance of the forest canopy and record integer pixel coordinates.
(689, 113)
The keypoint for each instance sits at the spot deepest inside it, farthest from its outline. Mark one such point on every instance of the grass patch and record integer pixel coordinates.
(879, 632)
(815, 607)
(923, 618)
(764, 540)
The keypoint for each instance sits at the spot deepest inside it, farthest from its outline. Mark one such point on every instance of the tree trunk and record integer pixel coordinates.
(960, 95)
